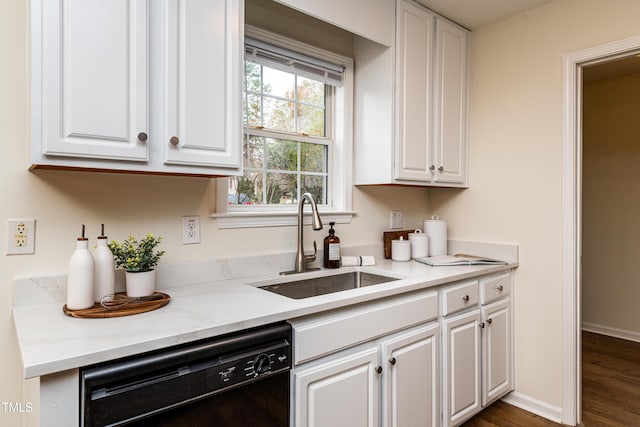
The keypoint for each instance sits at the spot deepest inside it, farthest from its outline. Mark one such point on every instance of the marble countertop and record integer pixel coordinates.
(227, 300)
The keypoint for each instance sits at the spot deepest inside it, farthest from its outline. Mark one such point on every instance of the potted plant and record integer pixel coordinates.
(138, 257)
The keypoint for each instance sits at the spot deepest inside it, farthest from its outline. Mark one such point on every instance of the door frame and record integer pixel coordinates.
(572, 64)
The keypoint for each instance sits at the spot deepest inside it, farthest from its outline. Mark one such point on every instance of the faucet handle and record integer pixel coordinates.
(312, 258)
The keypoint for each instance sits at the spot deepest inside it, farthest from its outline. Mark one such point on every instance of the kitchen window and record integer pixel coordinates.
(297, 134)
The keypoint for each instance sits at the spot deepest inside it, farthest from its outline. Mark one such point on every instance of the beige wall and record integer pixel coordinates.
(515, 163)
(61, 201)
(611, 206)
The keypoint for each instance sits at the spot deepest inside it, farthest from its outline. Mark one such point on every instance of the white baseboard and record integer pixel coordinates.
(535, 406)
(612, 332)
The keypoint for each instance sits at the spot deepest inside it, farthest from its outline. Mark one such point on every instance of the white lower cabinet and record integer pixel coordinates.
(477, 348)
(461, 363)
(340, 392)
(390, 381)
(427, 358)
(410, 378)
(371, 365)
(496, 351)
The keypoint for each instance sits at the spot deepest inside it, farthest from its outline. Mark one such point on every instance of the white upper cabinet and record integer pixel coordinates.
(203, 53)
(414, 133)
(451, 106)
(137, 85)
(414, 91)
(93, 82)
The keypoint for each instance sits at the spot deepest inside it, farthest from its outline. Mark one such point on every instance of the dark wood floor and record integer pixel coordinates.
(610, 381)
(610, 389)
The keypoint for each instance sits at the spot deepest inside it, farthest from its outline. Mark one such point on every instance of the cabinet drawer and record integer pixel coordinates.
(495, 287)
(460, 296)
(325, 333)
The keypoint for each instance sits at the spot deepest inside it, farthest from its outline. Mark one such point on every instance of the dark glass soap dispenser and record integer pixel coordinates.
(332, 249)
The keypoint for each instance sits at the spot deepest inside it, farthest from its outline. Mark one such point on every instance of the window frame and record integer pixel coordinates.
(327, 140)
(339, 171)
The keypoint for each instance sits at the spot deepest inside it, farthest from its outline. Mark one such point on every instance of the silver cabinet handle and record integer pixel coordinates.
(465, 298)
(481, 325)
(378, 369)
(392, 360)
(432, 167)
(489, 321)
(142, 137)
(441, 168)
(500, 288)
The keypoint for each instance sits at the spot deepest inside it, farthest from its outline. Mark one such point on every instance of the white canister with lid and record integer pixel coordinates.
(436, 229)
(400, 250)
(419, 244)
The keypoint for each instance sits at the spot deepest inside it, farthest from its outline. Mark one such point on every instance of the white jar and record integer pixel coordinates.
(104, 270)
(436, 229)
(80, 277)
(419, 244)
(400, 250)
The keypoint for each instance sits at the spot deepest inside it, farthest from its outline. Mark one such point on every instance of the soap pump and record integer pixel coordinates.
(331, 249)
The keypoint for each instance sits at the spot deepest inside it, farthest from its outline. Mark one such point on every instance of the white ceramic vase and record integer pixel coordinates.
(104, 270)
(140, 283)
(80, 277)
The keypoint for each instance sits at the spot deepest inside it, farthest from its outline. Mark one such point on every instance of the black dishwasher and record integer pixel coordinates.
(241, 379)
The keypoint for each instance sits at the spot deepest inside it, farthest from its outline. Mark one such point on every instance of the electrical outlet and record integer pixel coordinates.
(21, 236)
(190, 230)
(396, 220)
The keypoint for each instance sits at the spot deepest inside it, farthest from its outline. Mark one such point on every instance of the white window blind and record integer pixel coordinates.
(293, 62)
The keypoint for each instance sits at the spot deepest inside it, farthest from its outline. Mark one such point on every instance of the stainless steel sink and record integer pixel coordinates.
(315, 286)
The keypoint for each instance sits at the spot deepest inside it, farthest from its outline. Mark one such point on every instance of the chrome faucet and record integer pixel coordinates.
(316, 224)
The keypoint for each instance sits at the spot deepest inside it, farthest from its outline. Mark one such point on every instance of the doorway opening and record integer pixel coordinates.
(574, 67)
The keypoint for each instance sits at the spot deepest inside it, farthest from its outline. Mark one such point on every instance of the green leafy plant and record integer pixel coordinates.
(134, 255)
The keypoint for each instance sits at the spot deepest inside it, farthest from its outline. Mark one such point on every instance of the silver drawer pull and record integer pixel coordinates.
(465, 298)
(500, 288)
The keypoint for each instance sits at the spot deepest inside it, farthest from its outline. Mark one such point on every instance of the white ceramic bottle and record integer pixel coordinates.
(104, 268)
(80, 276)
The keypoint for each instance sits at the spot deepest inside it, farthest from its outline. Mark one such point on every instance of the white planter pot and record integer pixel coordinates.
(140, 283)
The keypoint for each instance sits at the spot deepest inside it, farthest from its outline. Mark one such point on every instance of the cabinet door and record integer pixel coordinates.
(450, 124)
(410, 379)
(461, 363)
(414, 41)
(496, 351)
(203, 67)
(90, 78)
(341, 392)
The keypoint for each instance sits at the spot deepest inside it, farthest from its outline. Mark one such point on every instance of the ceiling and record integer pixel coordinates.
(474, 14)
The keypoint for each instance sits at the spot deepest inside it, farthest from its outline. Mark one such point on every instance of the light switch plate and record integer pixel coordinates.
(21, 236)
(396, 219)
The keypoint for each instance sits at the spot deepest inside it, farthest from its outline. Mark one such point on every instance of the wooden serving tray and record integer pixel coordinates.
(134, 307)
